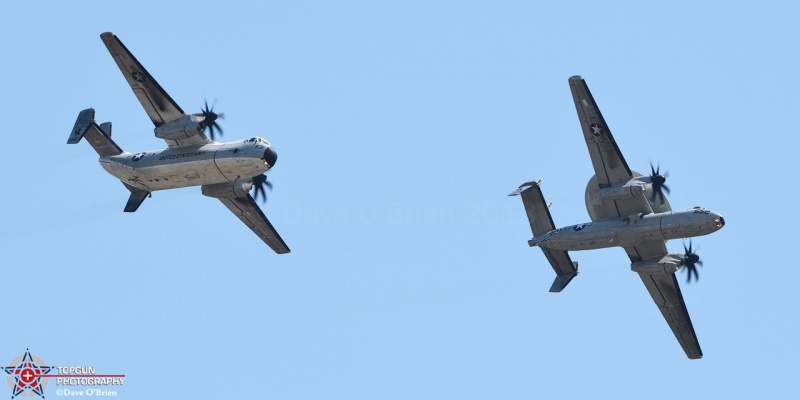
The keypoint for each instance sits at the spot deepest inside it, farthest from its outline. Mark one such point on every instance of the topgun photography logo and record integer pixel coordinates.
(28, 376)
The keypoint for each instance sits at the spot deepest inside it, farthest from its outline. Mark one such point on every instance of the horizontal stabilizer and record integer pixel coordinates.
(537, 209)
(541, 223)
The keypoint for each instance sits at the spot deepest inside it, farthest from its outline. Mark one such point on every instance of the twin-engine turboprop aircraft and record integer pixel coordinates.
(627, 210)
(226, 171)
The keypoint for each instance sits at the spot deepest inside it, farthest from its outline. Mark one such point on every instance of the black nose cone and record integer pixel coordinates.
(270, 156)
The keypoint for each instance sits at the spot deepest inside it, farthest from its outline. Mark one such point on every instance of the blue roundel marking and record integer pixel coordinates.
(137, 156)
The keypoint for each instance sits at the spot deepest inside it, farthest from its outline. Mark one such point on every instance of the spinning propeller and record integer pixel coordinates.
(258, 183)
(210, 120)
(691, 261)
(658, 182)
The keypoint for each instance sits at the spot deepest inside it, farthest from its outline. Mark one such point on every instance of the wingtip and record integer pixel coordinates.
(575, 78)
(106, 35)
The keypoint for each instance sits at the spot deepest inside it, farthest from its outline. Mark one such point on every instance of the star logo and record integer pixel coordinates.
(26, 375)
(597, 130)
(138, 76)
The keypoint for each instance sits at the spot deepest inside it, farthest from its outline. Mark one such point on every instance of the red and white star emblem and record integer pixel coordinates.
(27, 375)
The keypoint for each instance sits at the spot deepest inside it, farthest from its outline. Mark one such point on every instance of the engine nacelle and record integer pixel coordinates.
(181, 128)
(627, 191)
(668, 264)
(227, 190)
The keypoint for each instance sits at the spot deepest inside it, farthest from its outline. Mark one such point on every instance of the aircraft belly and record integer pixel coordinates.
(603, 234)
(177, 175)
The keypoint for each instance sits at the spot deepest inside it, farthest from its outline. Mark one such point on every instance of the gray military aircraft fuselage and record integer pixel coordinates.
(631, 231)
(209, 164)
(226, 171)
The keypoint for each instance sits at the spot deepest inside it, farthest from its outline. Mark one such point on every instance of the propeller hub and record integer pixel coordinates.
(210, 117)
(658, 180)
(691, 260)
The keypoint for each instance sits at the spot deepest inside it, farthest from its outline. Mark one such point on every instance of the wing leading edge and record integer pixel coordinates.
(248, 211)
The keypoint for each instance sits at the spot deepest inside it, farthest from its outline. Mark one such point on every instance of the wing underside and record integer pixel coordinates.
(609, 165)
(248, 211)
(666, 293)
(154, 99)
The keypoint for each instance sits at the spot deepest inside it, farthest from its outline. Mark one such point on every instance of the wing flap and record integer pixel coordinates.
(248, 211)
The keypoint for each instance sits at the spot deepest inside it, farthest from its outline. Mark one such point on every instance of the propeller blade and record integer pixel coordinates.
(657, 180)
(259, 182)
(210, 119)
(691, 261)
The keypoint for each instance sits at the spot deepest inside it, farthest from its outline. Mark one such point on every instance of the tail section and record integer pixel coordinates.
(541, 223)
(99, 136)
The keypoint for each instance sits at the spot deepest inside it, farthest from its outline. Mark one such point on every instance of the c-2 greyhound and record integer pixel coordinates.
(627, 210)
(226, 171)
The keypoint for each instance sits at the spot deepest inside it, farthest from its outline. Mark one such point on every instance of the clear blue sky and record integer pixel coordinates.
(400, 129)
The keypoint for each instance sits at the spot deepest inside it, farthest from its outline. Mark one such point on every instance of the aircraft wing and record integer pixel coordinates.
(666, 293)
(610, 167)
(156, 102)
(248, 211)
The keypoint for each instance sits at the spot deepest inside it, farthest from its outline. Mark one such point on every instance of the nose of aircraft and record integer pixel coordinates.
(719, 222)
(270, 156)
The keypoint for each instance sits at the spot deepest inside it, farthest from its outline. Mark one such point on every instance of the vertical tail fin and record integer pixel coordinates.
(99, 137)
(136, 199)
